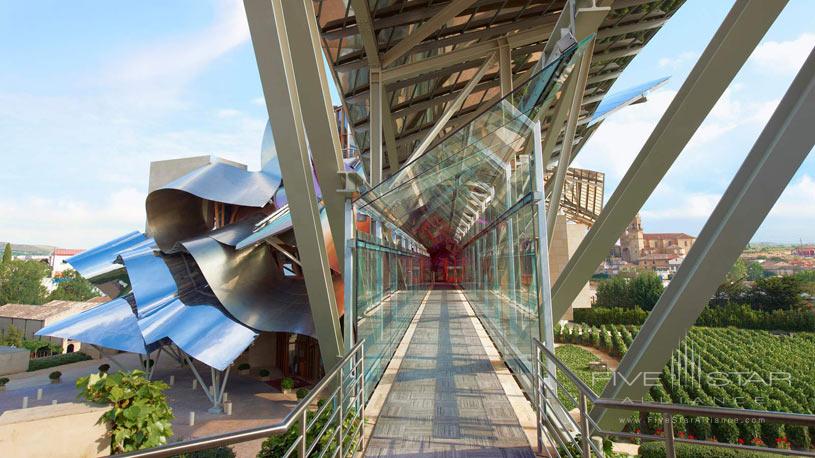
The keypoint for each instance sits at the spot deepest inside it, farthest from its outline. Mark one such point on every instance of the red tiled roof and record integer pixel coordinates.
(658, 256)
(67, 251)
(667, 235)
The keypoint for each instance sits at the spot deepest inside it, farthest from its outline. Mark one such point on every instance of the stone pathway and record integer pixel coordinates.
(447, 399)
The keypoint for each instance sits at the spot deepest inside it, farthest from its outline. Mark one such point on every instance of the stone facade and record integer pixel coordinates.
(649, 249)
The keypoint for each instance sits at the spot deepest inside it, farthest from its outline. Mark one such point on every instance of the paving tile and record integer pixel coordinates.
(446, 400)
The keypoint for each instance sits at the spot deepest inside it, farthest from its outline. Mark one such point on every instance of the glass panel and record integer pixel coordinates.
(390, 285)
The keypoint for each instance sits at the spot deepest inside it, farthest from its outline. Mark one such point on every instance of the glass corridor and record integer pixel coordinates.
(474, 202)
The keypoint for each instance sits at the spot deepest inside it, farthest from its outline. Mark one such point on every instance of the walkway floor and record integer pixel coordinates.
(447, 399)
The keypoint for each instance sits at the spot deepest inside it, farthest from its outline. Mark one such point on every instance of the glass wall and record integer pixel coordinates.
(500, 282)
(391, 282)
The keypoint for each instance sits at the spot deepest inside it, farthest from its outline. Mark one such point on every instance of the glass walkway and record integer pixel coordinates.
(446, 399)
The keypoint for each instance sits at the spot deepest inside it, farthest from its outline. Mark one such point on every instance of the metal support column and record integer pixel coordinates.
(318, 112)
(349, 276)
(375, 130)
(782, 146)
(568, 136)
(271, 44)
(505, 66)
(729, 48)
(546, 324)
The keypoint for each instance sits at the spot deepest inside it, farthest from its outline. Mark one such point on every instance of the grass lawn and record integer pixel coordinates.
(578, 361)
(56, 360)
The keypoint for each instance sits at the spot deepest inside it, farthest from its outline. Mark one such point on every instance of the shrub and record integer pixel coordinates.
(56, 360)
(104, 368)
(243, 367)
(657, 450)
(264, 373)
(610, 315)
(287, 383)
(302, 393)
(55, 375)
(3, 381)
(148, 363)
(276, 446)
(140, 416)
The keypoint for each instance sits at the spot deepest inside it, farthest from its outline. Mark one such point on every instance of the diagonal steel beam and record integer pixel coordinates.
(729, 48)
(433, 24)
(318, 113)
(568, 138)
(270, 40)
(452, 109)
(375, 105)
(366, 31)
(778, 152)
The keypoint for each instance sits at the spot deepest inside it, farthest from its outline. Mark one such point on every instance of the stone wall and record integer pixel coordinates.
(13, 360)
(69, 430)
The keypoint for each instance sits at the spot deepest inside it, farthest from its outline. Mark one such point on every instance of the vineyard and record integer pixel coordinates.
(725, 367)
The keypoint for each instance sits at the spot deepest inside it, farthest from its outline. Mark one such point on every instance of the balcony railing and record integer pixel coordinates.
(329, 421)
(567, 436)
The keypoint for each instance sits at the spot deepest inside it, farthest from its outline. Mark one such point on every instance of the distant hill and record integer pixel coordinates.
(28, 250)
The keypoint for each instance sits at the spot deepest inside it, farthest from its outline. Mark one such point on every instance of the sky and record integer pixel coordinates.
(91, 93)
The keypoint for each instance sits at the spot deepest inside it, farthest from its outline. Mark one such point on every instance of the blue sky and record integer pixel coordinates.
(90, 94)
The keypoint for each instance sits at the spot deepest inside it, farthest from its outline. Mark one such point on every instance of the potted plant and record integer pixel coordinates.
(55, 376)
(3, 381)
(301, 393)
(103, 369)
(265, 375)
(243, 368)
(287, 385)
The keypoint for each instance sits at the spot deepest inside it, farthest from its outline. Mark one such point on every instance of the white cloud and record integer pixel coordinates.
(696, 206)
(678, 61)
(797, 201)
(228, 113)
(186, 56)
(71, 223)
(783, 57)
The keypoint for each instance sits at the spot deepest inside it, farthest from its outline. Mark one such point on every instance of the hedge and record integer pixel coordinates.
(56, 360)
(657, 450)
(736, 315)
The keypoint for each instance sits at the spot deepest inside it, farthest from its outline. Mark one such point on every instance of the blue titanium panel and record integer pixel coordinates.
(202, 330)
(151, 280)
(101, 259)
(109, 325)
(622, 99)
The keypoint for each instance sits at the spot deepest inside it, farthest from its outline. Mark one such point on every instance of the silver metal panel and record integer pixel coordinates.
(232, 234)
(220, 182)
(109, 325)
(250, 285)
(274, 226)
(200, 329)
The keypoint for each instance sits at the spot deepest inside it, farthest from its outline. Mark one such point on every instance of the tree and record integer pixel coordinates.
(738, 272)
(21, 282)
(7, 254)
(613, 293)
(778, 293)
(645, 289)
(73, 287)
(13, 336)
(755, 271)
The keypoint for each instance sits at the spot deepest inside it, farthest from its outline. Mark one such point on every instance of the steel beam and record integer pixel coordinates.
(318, 113)
(389, 131)
(505, 66)
(375, 131)
(575, 103)
(451, 109)
(365, 25)
(475, 51)
(729, 48)
(778, 152)
(273, 53)
(438, 20)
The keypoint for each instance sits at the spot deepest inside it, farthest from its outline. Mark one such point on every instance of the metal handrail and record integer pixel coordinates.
(262, 432)
(542, 354)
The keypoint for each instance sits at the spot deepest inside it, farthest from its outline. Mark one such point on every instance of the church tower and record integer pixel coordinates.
(632, 241)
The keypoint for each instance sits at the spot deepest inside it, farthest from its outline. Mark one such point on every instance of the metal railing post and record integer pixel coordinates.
(341, 399)
(668, 425)
(536, 388)
(303, 448)
(584, 428)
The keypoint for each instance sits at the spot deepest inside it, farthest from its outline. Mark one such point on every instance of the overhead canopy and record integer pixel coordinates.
(429, 50)
(438, 197)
